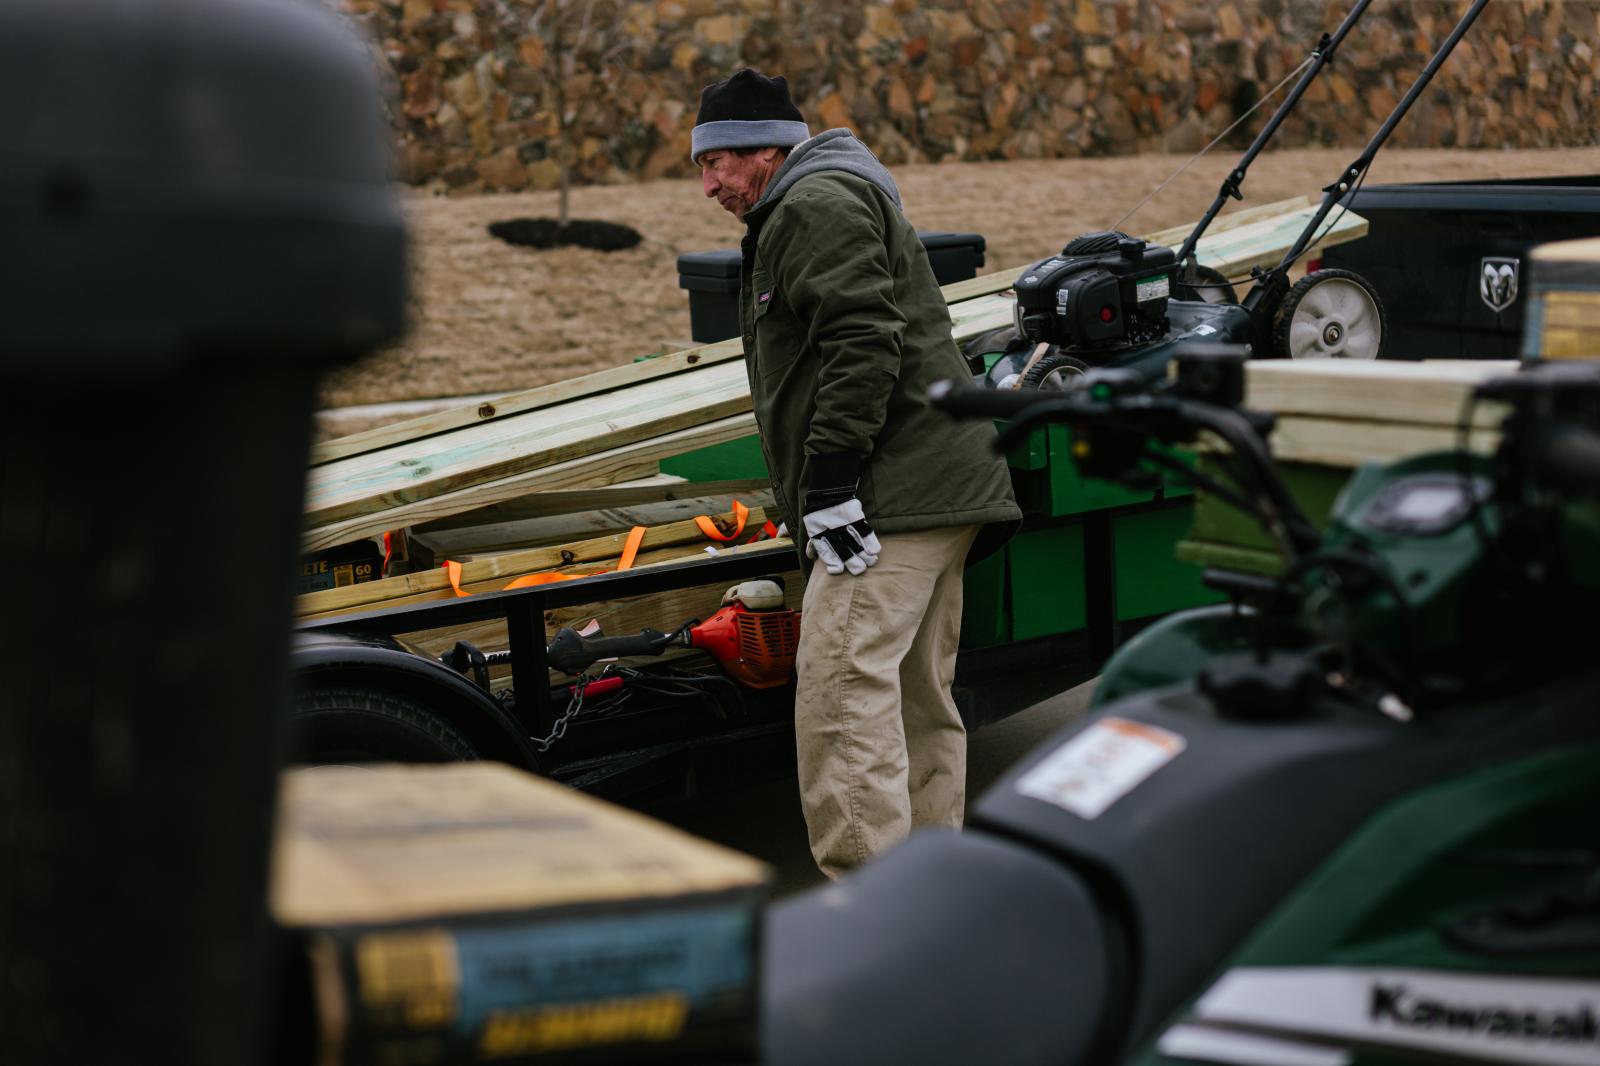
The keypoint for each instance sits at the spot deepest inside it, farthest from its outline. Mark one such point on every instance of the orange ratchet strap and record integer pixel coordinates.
(630, 549)
(709, 528)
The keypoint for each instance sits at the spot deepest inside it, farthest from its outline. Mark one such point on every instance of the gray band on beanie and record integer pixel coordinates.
(743, 133)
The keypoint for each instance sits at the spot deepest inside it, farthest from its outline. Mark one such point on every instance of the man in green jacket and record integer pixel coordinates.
(844, 330)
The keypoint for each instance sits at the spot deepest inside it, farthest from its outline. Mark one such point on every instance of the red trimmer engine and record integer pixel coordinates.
(754, 636)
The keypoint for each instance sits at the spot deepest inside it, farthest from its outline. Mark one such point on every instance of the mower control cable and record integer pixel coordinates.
(1319, 58)
(1348, 180)
(1218, 139)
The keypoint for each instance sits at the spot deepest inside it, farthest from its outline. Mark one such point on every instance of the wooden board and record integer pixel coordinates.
(419, 470)
(1264, 242)
(1213, 250)
(1430, 392)
(493, 572)
(475, 541)
(661, 488)
(608, 467)
(1569, 325)
(516, 403)
(404, 843)
(1351, 442)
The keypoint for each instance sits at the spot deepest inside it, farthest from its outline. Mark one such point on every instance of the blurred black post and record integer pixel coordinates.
(195, 220)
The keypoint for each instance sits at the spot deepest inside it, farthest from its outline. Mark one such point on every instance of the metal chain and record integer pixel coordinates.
(559, 729)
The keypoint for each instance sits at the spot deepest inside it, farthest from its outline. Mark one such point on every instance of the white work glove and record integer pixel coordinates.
(837, 530)
(841, 538)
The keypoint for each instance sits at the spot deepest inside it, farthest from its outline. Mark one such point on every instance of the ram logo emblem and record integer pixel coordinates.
(1497, 282)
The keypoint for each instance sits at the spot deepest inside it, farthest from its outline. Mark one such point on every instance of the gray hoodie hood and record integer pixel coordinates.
(836, 149)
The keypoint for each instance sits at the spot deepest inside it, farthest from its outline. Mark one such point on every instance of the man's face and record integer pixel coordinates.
(737, 181)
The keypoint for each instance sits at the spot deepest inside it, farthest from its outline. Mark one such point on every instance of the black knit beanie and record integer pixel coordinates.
(748, 110)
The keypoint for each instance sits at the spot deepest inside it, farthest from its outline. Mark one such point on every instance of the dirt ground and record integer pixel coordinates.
(489, 317)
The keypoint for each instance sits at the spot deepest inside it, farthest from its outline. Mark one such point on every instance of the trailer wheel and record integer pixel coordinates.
(1330, 314)
(354, 724)
(1205, 285)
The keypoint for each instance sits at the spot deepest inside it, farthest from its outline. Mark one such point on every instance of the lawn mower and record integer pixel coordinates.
(1345, 819)
(1110, 299)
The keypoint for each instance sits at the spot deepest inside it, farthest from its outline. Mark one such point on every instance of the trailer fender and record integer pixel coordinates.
(326, 661)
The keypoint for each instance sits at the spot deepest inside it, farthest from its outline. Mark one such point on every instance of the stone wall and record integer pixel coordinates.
(479, 84)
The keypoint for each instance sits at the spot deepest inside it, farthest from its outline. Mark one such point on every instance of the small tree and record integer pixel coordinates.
(577, 47)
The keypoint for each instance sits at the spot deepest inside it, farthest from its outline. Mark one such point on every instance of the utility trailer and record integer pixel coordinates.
(1090, 565)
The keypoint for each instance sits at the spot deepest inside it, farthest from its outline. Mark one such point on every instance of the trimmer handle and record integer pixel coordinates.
(572, 653)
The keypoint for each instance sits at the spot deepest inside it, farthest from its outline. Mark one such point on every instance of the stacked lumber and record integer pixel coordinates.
(672, 542)
(1339, 412)
(616, 425)
(668, 543)
(1563, 317)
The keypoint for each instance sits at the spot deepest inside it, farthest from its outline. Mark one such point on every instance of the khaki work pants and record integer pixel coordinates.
(880, 744)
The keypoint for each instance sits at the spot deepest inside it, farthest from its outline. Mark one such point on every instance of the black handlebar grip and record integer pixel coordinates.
(1568, 457)
(972, 401)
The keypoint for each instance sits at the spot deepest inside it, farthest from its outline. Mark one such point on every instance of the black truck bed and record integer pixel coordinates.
(1426, 250)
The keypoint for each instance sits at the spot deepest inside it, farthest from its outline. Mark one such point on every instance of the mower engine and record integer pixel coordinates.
(754, 636)
(1105, 291)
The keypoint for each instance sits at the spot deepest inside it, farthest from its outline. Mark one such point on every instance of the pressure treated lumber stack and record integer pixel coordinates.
(616, 425)
(1563, 317)
(668, 543)
(1342, 412)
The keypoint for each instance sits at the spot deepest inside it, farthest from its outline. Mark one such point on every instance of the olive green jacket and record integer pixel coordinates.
(844, 330)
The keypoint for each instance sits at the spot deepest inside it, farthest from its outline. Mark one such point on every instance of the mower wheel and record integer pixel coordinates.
(360, 724)
(1330, 314)
(1054, 370)
(1205, 285)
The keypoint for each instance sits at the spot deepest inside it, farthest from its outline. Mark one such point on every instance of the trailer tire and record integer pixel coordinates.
(355, 723)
